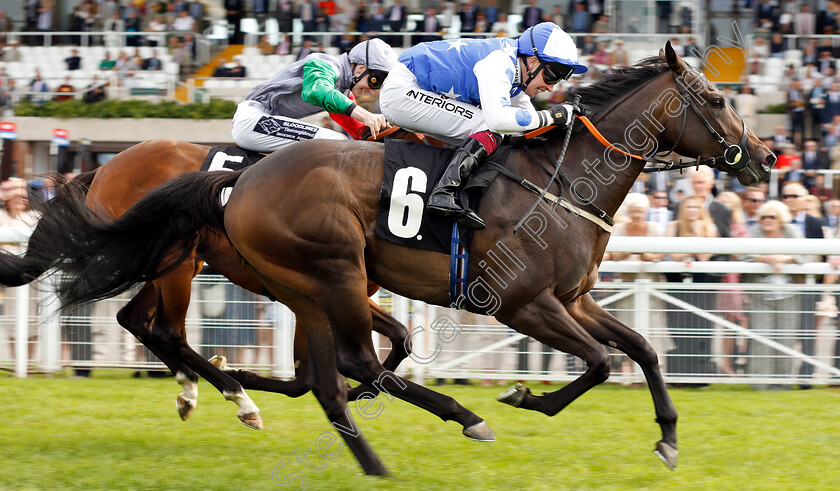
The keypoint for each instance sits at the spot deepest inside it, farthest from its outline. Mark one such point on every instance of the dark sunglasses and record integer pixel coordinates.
(768, 217)
(754, 200)
(786, 196)
(375, 78)
(554, 72)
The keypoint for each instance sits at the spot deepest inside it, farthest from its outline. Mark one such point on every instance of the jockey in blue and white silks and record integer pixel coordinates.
(476, 89)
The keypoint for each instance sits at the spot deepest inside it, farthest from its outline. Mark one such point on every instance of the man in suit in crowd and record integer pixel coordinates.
(153, 62)
(812, 160)
(429, 25)
(285, 15)
(766, 14)
(816, 104)
(832, 216)
(658, 211)
(532, 15)
(702, 183)
(233, 15)
(467, 15)
(396, 16)
(825, 63)
(832, 103)
(753, 198)
(793, 195)
(491, 13)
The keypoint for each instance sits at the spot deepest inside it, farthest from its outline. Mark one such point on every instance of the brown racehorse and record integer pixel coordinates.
(303, 220)
(156, 315)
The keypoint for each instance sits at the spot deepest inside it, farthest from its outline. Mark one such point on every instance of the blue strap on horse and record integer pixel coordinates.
(458, 267)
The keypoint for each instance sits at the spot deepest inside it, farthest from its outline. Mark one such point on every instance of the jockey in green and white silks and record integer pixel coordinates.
(269, 117)
(476, 89)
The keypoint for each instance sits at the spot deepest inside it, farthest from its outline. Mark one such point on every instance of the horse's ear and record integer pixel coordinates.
(661, 53)
(674, 61)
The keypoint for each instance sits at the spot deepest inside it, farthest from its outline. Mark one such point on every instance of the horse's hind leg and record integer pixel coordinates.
(610, 331)
(137, 318)
(295, 387)
(168, 334)
(547, 320)
(328, 386)
(346, 305)
(383, 323)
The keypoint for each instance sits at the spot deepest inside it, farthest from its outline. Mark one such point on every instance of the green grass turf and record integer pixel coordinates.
(115, 432)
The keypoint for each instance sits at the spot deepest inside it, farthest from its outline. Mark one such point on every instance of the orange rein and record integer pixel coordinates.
(388, 131)
(592, 129)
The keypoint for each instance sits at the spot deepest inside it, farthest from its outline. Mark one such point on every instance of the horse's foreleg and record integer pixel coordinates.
(547, 320)
(385, 324)
(610, 331)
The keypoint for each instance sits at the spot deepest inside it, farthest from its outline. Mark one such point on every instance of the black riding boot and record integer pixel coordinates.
(444, 198)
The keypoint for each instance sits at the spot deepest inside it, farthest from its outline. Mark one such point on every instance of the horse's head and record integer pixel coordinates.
(710, 128)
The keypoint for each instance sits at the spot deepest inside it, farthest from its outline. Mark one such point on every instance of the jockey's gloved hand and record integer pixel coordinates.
(563, 114)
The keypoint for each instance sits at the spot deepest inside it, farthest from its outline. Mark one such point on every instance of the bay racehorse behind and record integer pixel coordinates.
(303, 220)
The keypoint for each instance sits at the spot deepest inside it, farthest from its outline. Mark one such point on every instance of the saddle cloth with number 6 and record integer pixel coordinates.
(411, 172)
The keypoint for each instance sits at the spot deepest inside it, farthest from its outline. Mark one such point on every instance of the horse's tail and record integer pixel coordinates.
(19, 270)
(102, 257)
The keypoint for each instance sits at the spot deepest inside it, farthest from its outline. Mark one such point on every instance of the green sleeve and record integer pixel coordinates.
(319, 79)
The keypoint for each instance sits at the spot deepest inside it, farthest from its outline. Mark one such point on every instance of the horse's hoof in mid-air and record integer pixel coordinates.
(185, 407)
(668, 454)
(219, 361)
(251, 420)
(514, 395)
(480, 432)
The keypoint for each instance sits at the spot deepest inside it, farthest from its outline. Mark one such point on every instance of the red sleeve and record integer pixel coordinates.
(355, 128)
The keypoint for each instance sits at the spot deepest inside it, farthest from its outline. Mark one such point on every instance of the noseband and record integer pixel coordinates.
(737, 156)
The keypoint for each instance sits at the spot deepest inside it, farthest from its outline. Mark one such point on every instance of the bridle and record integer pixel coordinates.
(736, 156)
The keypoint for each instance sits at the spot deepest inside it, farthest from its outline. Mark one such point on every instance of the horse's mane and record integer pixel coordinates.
(619, 81)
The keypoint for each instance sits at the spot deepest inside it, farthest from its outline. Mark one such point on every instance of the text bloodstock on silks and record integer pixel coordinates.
(441, 103)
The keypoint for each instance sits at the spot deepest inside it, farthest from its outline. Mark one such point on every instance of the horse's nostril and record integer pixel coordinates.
(770, 160)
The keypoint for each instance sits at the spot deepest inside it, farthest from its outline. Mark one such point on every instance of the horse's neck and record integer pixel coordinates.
(614, 172)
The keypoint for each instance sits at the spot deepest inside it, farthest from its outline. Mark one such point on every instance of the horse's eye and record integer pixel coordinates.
(718, 103)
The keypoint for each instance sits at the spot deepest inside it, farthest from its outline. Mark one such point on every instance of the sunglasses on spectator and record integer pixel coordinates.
(786, 196)
(768, 217)
(754, 200)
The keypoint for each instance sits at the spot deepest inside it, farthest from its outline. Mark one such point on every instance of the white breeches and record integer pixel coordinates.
(405, 104)
(256, 130)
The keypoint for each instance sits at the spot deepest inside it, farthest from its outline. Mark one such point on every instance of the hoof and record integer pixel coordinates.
(480, 432)
(219, 361)
(251, 420)
(185, 407)
(667, 453)
(514, 395)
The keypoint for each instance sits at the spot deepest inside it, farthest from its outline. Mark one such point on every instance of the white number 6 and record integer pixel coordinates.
(406, 212)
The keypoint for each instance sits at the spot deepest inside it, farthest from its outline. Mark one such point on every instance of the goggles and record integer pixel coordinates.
(554, 72)
(376, 76)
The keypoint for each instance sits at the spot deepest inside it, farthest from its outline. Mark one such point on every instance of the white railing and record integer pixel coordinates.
(480, 347)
